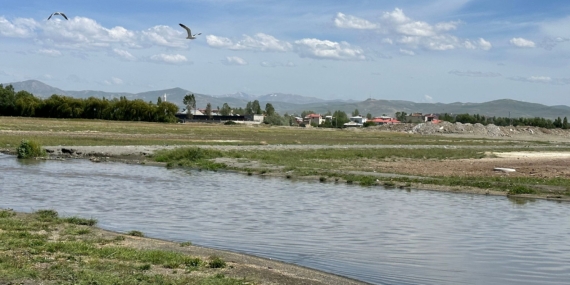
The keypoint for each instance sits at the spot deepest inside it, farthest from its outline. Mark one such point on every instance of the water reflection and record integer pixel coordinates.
(520, 201)
(398, 236)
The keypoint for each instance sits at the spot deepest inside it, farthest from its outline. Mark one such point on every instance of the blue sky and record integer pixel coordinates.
(418, 50)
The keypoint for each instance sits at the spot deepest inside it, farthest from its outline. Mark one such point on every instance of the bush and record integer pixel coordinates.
(520, 190)
(135, 233)
(216, 262)
(230, 123)
(29, 149)
(80, 221)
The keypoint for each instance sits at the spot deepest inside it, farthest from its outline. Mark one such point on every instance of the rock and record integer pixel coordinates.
(67, 150)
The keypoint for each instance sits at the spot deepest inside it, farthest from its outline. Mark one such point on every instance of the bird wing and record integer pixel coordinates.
(64, 16)
(50, 16)
(187, 29)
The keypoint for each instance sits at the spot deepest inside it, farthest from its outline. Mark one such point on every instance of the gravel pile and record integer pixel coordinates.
(473, 129)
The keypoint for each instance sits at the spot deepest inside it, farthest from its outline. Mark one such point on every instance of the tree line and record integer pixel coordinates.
(25, 104)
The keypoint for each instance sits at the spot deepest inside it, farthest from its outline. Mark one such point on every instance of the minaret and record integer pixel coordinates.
(164, 96)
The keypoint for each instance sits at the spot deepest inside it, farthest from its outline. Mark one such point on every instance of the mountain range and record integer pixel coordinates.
(296, 104)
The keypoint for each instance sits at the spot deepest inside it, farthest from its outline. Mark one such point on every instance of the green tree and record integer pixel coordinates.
(249, 108)
(401, 116)
(557, 122)
(209, 110)
(7, 100)
(305, 113)
(256, 108)
(226, 110)
(565, 124)
(275, 119)
(369, 116)
(355, 113)
(269, 110)
(339, 119)
(27, 104)
(190, 102)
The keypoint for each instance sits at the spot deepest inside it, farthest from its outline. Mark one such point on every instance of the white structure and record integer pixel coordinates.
(164, 97)
(358, 119)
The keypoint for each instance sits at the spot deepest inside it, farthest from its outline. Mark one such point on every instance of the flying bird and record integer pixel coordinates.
(58, 13)
(190, 36)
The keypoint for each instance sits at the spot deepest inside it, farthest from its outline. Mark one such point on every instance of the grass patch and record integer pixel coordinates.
(190, 157)
(216, 262)
(30, 149)
(80, 221)
(60, 256)
(135, 234)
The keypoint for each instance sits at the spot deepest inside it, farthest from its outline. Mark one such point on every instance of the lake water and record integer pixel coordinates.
(371, 234)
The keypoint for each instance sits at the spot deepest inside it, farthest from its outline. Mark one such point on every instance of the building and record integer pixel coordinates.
(313, 119)
(420, 118)
(356, 121)
(385, 120)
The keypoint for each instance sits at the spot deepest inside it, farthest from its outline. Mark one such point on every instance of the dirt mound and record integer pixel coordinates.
(474, 129)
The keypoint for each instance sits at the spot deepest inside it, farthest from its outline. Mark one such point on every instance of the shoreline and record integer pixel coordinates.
(239, 265)
(140, 154)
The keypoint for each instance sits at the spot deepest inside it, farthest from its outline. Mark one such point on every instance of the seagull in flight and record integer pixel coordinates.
(58, 13)
(190, 36)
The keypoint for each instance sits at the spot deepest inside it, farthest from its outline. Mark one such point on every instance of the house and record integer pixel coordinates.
(352, 125)
(420, 118)
(356, 121)
(385, 120)
(313, 119)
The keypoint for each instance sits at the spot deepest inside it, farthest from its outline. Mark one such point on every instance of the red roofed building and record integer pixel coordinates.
(313, 119)
(385, 121)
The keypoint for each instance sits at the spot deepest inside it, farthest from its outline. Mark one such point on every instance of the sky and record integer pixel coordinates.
(417, 50)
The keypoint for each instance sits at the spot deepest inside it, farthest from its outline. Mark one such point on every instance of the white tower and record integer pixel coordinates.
(164, 96)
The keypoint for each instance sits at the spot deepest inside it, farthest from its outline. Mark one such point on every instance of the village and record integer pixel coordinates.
(309, 120)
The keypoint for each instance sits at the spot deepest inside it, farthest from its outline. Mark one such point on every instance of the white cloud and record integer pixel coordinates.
(520, 42)
(218, 42)
(50, 52)
(113, 81)
(407, 52)
(474, 73)
(413, 33)
(19, 28)
(81, 32)
(324, 49)
(428, 98)
(350, 22)
(447, 26)
(164, 36)
(124, 54)
(169, 58)
(484, 45)
(276, 64)
(542, 79)
(234, 60)
(550, 43)
(397, 16)
(258, 42)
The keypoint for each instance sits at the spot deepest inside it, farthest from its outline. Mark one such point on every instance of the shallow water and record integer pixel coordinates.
(371, 234)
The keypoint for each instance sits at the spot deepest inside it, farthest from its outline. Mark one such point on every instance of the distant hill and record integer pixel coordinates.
(296, 104)
(37, 88)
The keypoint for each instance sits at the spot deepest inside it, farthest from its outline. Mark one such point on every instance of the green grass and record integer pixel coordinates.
(98, 132)
(60, 252)
(30, 149)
